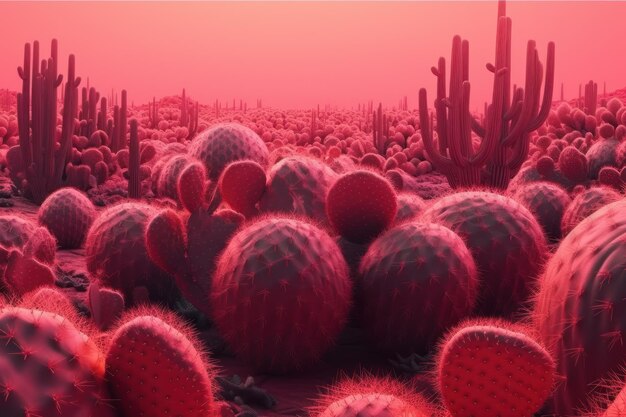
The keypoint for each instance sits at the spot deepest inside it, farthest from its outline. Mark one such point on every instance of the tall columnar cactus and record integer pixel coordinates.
(508, 123)
(380, 129)
(134, 182)
(37, 115)
(590, 101)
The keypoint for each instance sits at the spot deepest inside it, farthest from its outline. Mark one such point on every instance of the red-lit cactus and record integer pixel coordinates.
(42, 163)
(509, 121)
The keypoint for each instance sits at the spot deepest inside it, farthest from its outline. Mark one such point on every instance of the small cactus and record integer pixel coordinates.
(156, 367)
(493, 368)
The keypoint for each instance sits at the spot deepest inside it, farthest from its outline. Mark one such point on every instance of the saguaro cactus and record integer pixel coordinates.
(508, 121)
(37, 115)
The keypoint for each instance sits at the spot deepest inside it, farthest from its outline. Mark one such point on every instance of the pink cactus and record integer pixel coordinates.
(191, 187)
(507, 243)
(149, 357)
(492, 368)
(416, 280)
(49, 368)
(116, 253)
(360, 205)
(190, 254)
(225, 143)
(547, 202)
(586, 203)
(242, 185)
(68, 214)
(369, 396)
(279, 270)
(577, 306)
(298, 185)
(106, 305)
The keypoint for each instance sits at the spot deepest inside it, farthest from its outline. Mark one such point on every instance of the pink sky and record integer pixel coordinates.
(298, 54)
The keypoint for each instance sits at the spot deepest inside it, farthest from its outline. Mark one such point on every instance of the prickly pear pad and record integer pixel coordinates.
(155, 369)
(490, 371)
(49, 368)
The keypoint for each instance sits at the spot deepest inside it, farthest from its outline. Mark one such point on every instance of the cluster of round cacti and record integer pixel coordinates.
(286, 231)
(580, 146)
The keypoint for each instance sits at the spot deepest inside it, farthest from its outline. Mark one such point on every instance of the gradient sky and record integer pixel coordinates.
(299, 54)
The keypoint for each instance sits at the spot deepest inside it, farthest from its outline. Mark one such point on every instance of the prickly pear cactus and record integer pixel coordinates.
(155, 367)
(493, 369)
(298, 185)
(48, 368)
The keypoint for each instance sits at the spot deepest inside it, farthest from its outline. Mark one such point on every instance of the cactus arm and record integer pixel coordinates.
(516, 105)
(520, 153)
(547, 91)
(442, 163)
(529, 97)
(440, 108)
(478, 128)
(134, 183)
(493, 123)
(70, 105)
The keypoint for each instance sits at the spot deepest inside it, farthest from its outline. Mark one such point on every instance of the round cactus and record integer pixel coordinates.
(67, 214)
(409, 206)
(116, 253)
(53, 301)
(48, 368)
(493, 369)
(545, 166)
(547, 202)
(360, 205)
(573, 164)
(298, 185)
(580, 305)
(91, 157)
(41, 246)
(269, 279)
(156, 368)
(610, 177)
(15, 231)
(416, 281)
(586, 203)
(506, 241)
(225, 143)
(600, 154)
(368, 396)
(167, 185)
